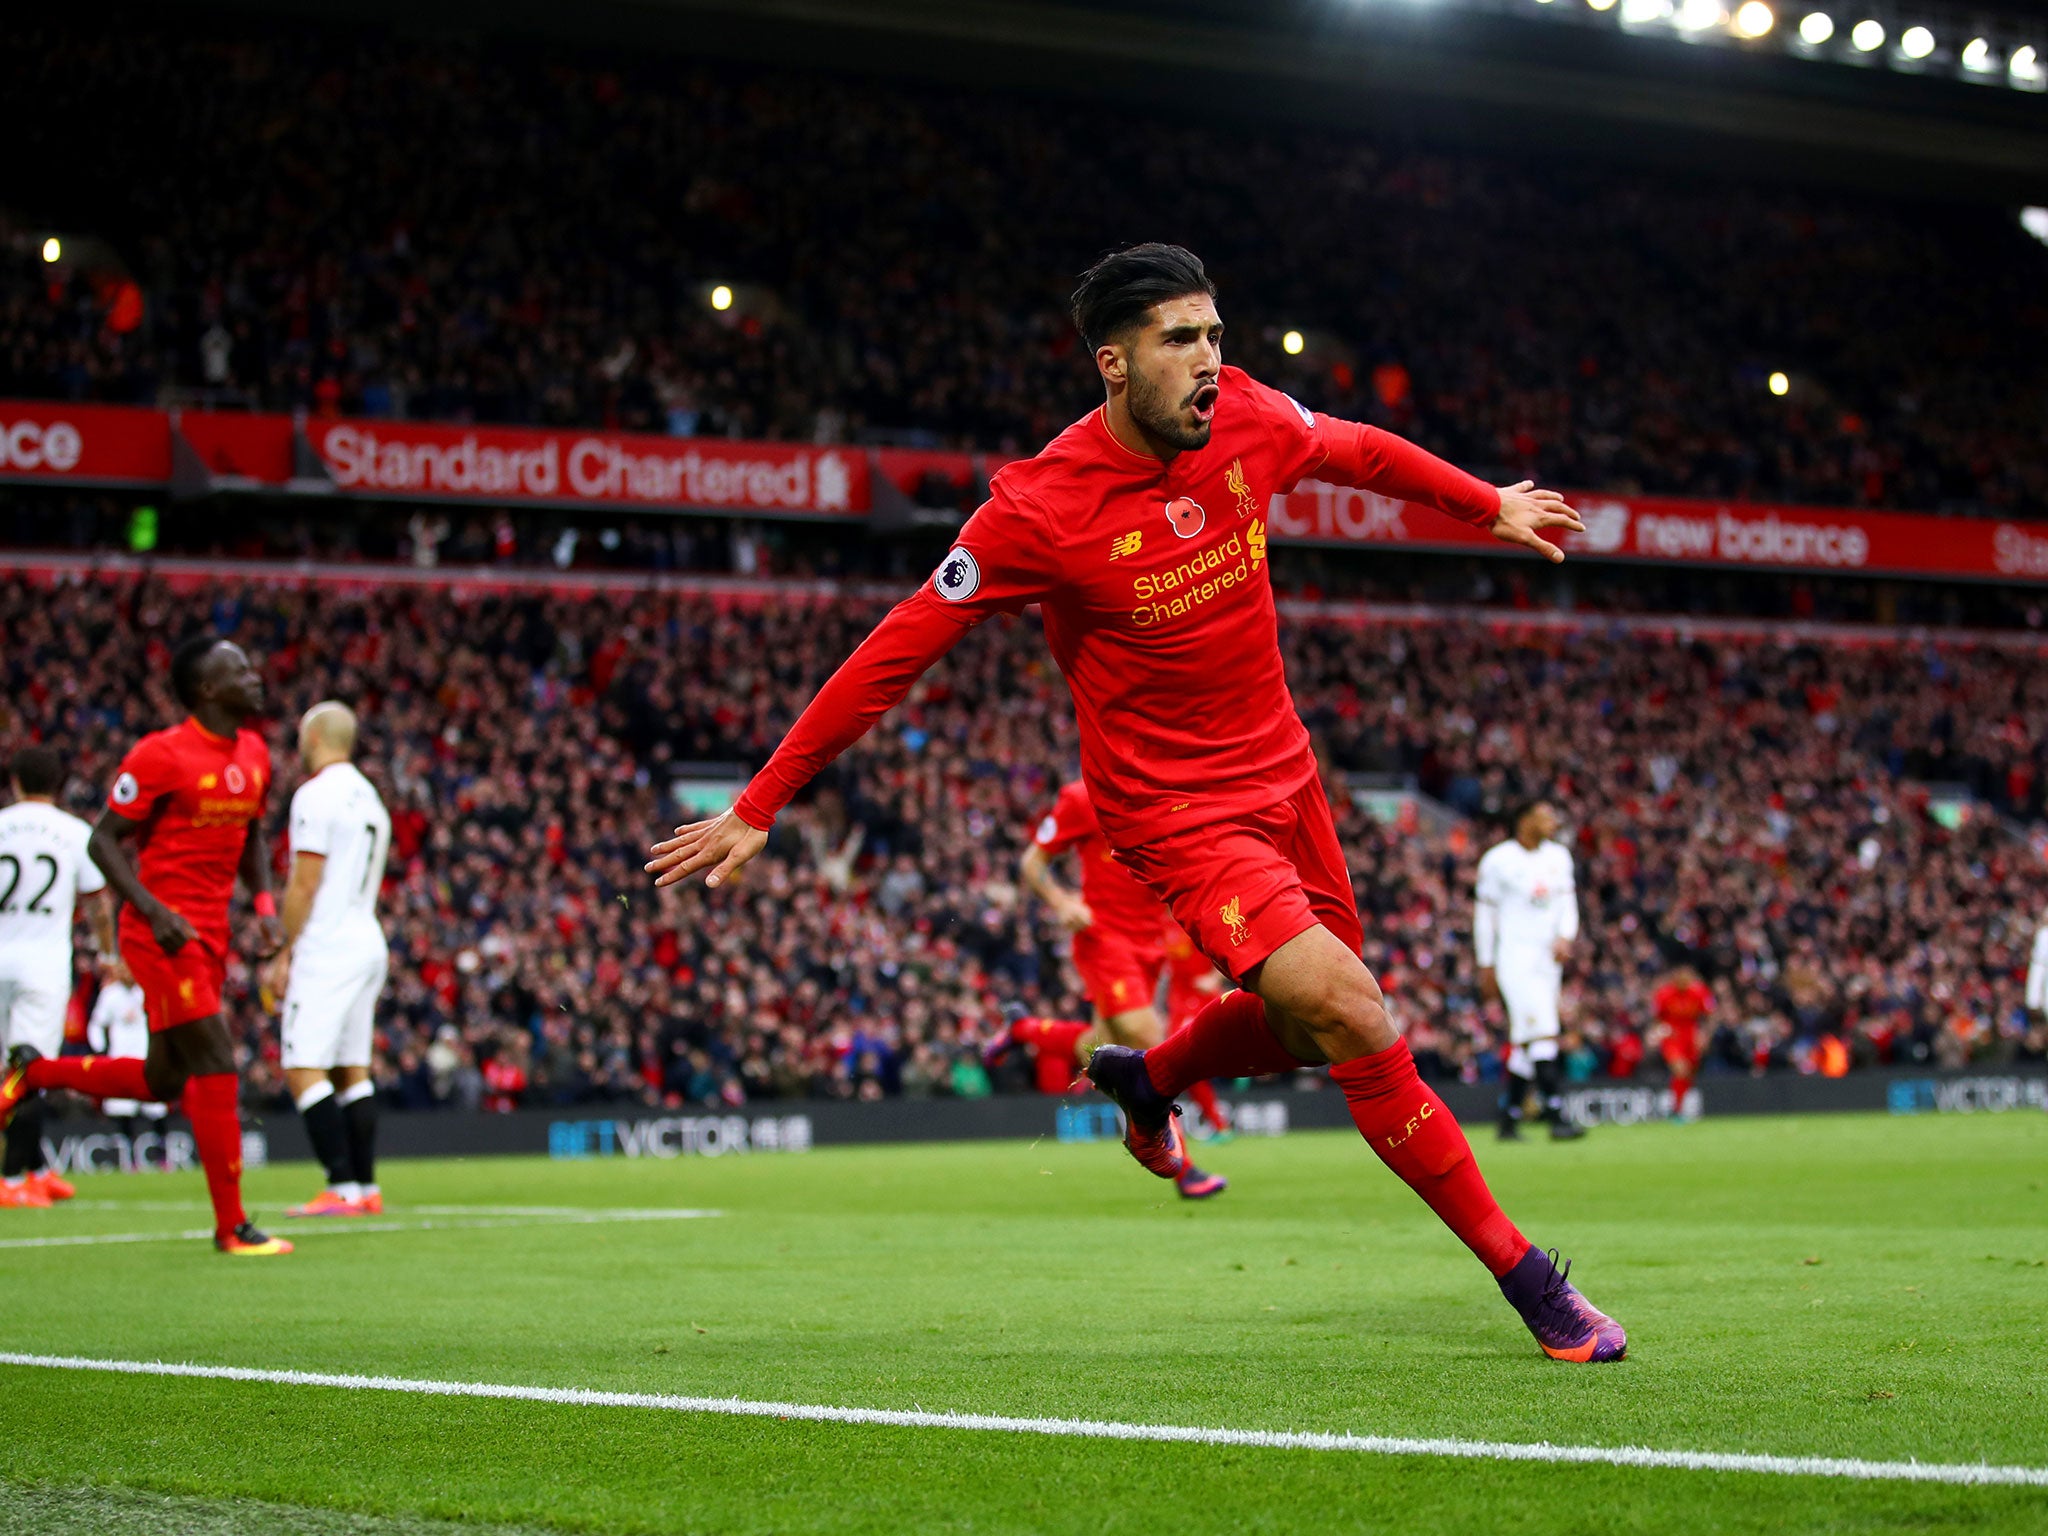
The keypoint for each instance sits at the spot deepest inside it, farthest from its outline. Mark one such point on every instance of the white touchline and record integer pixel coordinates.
(1089, 1429)
(332, 1226)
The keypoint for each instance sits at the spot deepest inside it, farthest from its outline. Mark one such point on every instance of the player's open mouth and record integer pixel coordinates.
(1203, 402)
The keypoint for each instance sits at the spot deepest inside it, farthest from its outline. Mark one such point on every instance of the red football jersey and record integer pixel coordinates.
(195, 794)
(1680, 1008)
(1158, 605)
(1120, 904)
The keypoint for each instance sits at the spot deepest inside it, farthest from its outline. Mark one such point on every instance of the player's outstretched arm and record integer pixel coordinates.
(869, 683)
(171, 930)
(1373, 460)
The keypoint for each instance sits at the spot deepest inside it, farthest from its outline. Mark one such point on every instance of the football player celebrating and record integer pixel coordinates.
(189, 801)
(1140, 532)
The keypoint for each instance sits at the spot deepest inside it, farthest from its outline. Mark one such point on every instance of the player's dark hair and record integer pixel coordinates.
(186, 661)
(1522, 808)
(38, 770)
(1121, 289)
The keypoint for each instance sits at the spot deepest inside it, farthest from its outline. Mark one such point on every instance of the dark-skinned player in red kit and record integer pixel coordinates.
(189, 802)
(1141, 533)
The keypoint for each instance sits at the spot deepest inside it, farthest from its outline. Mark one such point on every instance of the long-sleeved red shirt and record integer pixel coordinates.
(1158, 604)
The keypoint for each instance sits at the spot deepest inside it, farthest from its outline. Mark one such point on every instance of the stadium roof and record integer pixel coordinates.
(1506, 73)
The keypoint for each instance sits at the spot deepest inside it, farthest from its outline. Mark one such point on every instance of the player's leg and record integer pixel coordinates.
(1518, 1076)
(1531, 998)
(1275, 891)
(200, 1054)
(354, 1090)
(357, 1095)
(156, 1077)
(317, 1004)
(31, 1027)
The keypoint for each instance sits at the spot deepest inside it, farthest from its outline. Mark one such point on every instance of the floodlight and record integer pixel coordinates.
(1917, 43)
(1868, 36)
(721, 297)
(53, 249)
(1780, 384)
(1815, 28)
(1754, 19)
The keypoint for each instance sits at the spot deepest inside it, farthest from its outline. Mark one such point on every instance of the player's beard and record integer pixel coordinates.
(1153, 410)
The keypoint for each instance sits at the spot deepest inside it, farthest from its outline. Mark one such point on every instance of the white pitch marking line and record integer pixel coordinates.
(1967, 1473)
(298, 1227)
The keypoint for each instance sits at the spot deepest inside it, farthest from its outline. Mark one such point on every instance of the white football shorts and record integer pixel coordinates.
(1529, 993)
(330, 1006)
(34, 995)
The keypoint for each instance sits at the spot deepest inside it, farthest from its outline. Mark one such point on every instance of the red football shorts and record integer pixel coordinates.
(1682, 1049)
(176, 989)
(1117, 973)
(1245, 886)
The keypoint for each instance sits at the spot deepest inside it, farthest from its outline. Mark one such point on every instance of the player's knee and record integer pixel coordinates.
(1350, 1018)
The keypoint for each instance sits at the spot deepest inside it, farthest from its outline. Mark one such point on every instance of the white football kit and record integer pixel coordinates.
(44, 869)
(1526, 902)
(340, 959)
(119, 1026)
(2037, 973)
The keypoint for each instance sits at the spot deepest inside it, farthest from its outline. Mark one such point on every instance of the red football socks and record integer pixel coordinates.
(1052, 1037)
(1680, 1087)
(1204, 1095)
(98, 1077)
(217, 1130)
(1416, 1135)
(1228, 1038)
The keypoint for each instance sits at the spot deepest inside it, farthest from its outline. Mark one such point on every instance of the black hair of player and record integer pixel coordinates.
(38, 770)
(1519, 812)
(186, 661)
(1121, 289)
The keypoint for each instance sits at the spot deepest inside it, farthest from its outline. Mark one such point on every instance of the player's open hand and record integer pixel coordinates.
(1526, 512)
(170, 929)
(722, 845)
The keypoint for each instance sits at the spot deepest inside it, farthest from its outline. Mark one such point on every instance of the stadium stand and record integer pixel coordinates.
(897, 260)
(1833, 832)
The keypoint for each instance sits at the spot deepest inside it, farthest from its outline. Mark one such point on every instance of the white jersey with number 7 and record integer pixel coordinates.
(338, 815)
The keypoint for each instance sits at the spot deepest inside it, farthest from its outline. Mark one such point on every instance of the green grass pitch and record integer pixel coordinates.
(1840, 1286)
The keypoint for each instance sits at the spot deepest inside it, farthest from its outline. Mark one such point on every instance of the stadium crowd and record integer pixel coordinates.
(1755, 810)
(341, 221)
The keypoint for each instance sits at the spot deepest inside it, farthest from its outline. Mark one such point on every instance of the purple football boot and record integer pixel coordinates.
(1568, 1326)
(1151, 1131)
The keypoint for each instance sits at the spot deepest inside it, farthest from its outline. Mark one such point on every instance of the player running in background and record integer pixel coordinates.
(189, 800)
(1141, 534)
(1680, 1005)
(1523, 922)
(334, 960)
(44, 873)
(1118, 948)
